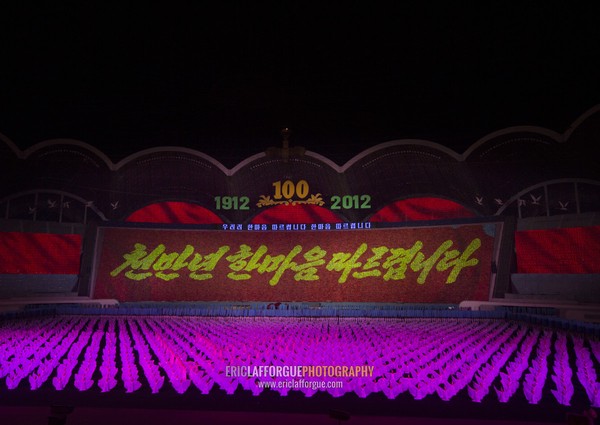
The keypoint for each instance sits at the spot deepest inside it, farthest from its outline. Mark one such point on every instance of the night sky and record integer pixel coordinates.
(225, 77)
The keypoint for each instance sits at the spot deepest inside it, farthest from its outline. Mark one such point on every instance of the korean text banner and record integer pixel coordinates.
(441, 264)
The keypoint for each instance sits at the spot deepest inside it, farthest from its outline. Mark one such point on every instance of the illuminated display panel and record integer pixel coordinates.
(39, 253)
(431, 264)
(563, 251)
(417, 209)
(296, 214)
(174, 212)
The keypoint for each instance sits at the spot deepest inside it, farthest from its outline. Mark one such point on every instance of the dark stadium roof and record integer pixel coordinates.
(496, 171)
(477, 105)
(224, 79)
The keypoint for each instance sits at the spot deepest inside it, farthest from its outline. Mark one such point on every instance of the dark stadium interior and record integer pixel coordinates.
(410, 191)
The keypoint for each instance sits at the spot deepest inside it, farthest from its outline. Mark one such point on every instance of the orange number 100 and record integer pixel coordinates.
(288, 189)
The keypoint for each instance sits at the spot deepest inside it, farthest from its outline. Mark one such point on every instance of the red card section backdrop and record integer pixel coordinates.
(564, 251)
(39, 253)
